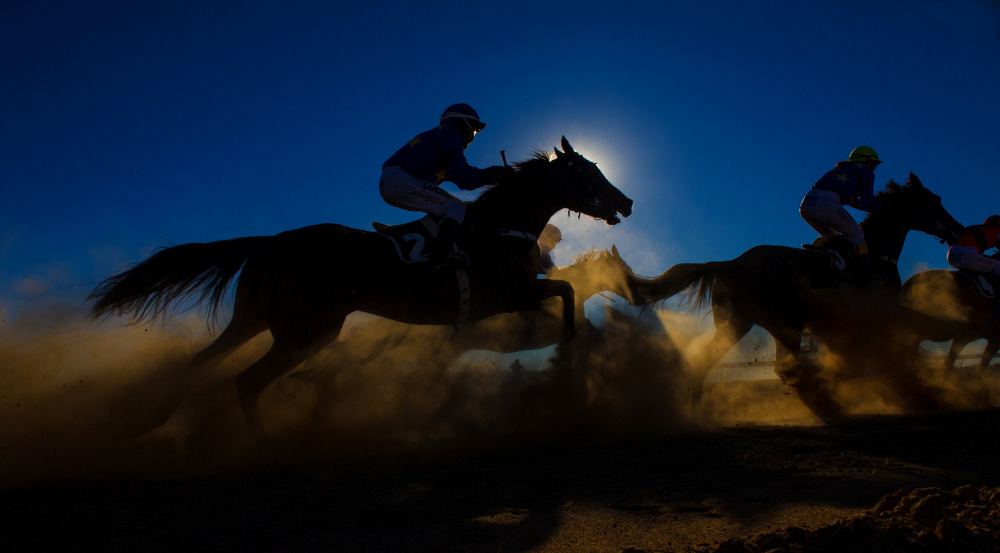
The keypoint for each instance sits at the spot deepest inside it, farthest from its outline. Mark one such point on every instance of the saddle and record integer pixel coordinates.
(985, 282)
(843, 261)
(414, 241)
(840, 259)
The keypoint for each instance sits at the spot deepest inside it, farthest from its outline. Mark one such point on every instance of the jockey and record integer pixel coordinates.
(967, 252)
(551, 235)
(411, 178)
(852, 183)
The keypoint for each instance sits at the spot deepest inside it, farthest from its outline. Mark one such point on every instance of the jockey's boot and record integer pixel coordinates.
(994, 280)
(446, 257)
(862, 272)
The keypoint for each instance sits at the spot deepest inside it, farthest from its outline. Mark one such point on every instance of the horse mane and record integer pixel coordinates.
(894, 192)
(526, 170)
(891, 187)
(590, 255)
(537, 159)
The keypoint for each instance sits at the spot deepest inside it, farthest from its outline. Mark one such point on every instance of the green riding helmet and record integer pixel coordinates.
(862, 154)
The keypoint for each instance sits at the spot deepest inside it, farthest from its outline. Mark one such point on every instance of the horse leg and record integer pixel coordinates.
(240, 330)
(727, 334)
(803, 375)
(293, 344)
(988, 352)
(548, 288)
(957, 345)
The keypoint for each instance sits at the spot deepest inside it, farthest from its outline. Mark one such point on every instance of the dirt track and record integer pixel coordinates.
(687, 490)
(392, 456)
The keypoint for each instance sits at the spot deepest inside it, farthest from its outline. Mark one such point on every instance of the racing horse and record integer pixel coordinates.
(302, 284)
(967, 308)
(773, 286)
(590, 274)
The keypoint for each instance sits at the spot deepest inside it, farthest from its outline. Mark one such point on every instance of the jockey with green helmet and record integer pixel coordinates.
(851, 182)
(411, 177)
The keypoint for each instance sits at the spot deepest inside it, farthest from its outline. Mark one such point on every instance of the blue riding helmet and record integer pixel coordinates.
(463, 118)
(462, 112)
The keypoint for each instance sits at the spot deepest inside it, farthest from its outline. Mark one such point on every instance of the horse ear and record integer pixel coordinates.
(915, 181)
(558, 153)
(614, 252)
(566, 146)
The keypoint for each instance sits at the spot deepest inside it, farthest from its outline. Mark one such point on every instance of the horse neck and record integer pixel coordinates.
(510, 209)
(884, 234)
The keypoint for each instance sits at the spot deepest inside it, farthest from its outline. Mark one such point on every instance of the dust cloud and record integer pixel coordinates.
(873, 361)
(86, 400)
(862, 354)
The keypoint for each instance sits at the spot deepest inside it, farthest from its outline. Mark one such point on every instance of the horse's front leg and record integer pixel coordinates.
(954, 350)
(992, 345)
(551, 288)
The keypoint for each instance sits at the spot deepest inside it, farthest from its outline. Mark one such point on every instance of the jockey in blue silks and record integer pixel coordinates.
(412, 177)
(852, 183)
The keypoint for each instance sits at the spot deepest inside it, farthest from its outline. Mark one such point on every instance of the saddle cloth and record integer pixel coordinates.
(413, 241)
(983, 282)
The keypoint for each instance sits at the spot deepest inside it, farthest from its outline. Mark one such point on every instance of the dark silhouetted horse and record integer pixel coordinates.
(302, 284)
(964, 310)
(770, 286)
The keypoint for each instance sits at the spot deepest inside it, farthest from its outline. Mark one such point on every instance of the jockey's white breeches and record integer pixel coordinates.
(401, 189)
(822, 210)
(965, 257)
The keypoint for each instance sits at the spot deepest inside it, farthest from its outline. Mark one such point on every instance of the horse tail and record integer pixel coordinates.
(172, 274)
(698, 277)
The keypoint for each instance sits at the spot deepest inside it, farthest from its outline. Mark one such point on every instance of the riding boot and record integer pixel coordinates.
(446, 257)
(863, 274)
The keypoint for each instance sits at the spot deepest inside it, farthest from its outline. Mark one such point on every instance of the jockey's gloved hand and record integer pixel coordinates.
(507, 174)
(498, 174)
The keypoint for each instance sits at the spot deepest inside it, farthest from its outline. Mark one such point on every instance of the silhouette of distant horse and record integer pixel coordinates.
(770, 285)
(302, 284)
(590, 274)
(973, 315)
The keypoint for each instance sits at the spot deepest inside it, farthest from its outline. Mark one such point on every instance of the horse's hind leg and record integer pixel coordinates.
(239, 331)
(293, 344)
(803, 375)
(727, 333)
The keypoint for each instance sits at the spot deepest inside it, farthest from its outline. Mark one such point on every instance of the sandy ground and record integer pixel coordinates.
(687, 490)
(418, 458)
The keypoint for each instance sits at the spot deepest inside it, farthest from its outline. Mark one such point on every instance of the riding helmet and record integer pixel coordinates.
(992, 221)
(864, 153)
(463, 118)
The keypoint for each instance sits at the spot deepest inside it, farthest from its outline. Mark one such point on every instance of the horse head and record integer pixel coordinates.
(586, 189)
(921, 209)
(597, 271)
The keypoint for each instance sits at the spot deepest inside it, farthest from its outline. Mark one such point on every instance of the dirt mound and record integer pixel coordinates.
(966, 519)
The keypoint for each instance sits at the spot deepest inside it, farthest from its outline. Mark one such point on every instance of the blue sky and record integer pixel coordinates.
(125, 126)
